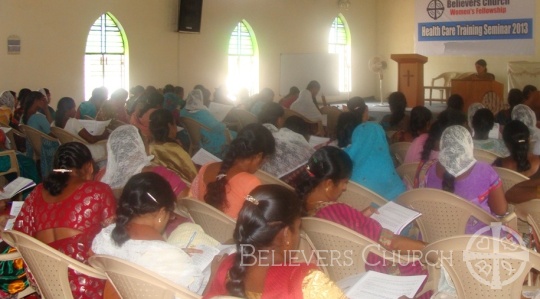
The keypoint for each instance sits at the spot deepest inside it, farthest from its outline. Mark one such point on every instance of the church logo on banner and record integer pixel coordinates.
(474, 27)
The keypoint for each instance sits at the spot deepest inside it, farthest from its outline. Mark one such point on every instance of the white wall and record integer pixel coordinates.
(53, 38)
(395, 35)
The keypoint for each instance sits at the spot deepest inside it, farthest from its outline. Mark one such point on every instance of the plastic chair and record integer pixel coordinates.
(445, 214)
(482, 266)
(407, 172)
(268, 179)
(48, 266)
(399, 150)
(13, 256)
(214, 222)
(193, 128)
(529, 211)
(443, 89)
(360, 197)
(35, 137)
(484, 156)
(343, 251)
(11, 136)
(239, 118)
(332, 119)
(135, 282)
(509, 177)
(65, 137)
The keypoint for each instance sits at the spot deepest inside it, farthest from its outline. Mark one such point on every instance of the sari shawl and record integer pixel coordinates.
(174, 157)
(372, 163)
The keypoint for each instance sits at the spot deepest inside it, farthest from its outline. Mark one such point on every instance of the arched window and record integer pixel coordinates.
(339, 42)
(243, 60)
(105, 62)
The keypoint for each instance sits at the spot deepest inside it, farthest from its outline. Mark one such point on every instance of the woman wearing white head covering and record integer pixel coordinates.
(527, 116)
(457, 171)
(127, 157)
(305, 106)
(213, 139)
(7, 104)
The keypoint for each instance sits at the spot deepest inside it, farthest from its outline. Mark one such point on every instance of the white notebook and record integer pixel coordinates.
(16, 207)
(395, 217)
(18, 185)
(375, 285)
(202, 157)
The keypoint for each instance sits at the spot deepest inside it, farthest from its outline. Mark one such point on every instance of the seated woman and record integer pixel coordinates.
(115, 107)
(306, 104)
(516, 136)
(515, 97)
(65, 119)
(27, 166)
(527, 116)
(141, 117)
(164, 147)
(347, 122)
(213, 139)
(397, 120)
(143, 211)
(292, 150)
(225, 185)
(358, 107)
(322, 183)
(418, 125)
(482, 122)
(68, 210)
(127, 157)
(458, 172)
(31, 117)
(91, 107)
(372, 164)
(7, 105)
(266, 234)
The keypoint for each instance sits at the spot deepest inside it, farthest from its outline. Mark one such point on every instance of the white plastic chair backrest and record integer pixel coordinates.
(482, 266)
(360, 197)
(135, 282)
(443, 214)
(446, 76)
(193, 128)
(343, 251)
(399, 150)
(484, 156)
(407, 172)
(268, 179)
(65, 136)
(509, 177)
(14, 164)
(214, 222)
(529, 211)
(48, 266)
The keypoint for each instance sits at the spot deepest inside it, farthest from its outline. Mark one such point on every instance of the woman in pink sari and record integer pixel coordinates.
(267, 232)
(322, 183)
(68, 210)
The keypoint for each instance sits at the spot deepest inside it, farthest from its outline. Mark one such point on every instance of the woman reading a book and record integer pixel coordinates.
(225, 185)
(68, 210)
(321, 184)
(267, 232)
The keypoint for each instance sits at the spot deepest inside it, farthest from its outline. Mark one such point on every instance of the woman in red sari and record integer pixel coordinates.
(267, 231)
(68, 210)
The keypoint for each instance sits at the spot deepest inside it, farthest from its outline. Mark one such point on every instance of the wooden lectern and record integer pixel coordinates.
(487, 92)
(411, 77)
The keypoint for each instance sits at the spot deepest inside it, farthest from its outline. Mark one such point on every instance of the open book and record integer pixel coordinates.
(375, 285)
(16, 207)
(202, 157)
(17, 186)
(395, 217)
(316, 141)
(95, 127)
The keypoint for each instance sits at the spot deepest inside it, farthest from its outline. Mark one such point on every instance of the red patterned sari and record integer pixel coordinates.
(90, 207)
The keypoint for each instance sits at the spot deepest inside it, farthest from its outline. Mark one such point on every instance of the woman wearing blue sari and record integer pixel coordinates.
(31, 117)
(213, 140)
(372, 164)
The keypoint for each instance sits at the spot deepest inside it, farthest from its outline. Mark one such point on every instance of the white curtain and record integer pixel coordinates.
(521, 73)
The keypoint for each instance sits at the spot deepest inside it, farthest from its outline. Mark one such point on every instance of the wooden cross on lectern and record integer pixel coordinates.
(408, 76)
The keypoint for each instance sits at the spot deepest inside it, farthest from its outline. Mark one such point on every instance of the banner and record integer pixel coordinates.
(474, 27)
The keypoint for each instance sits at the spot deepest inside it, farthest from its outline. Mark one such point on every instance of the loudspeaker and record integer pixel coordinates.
(189, 16)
